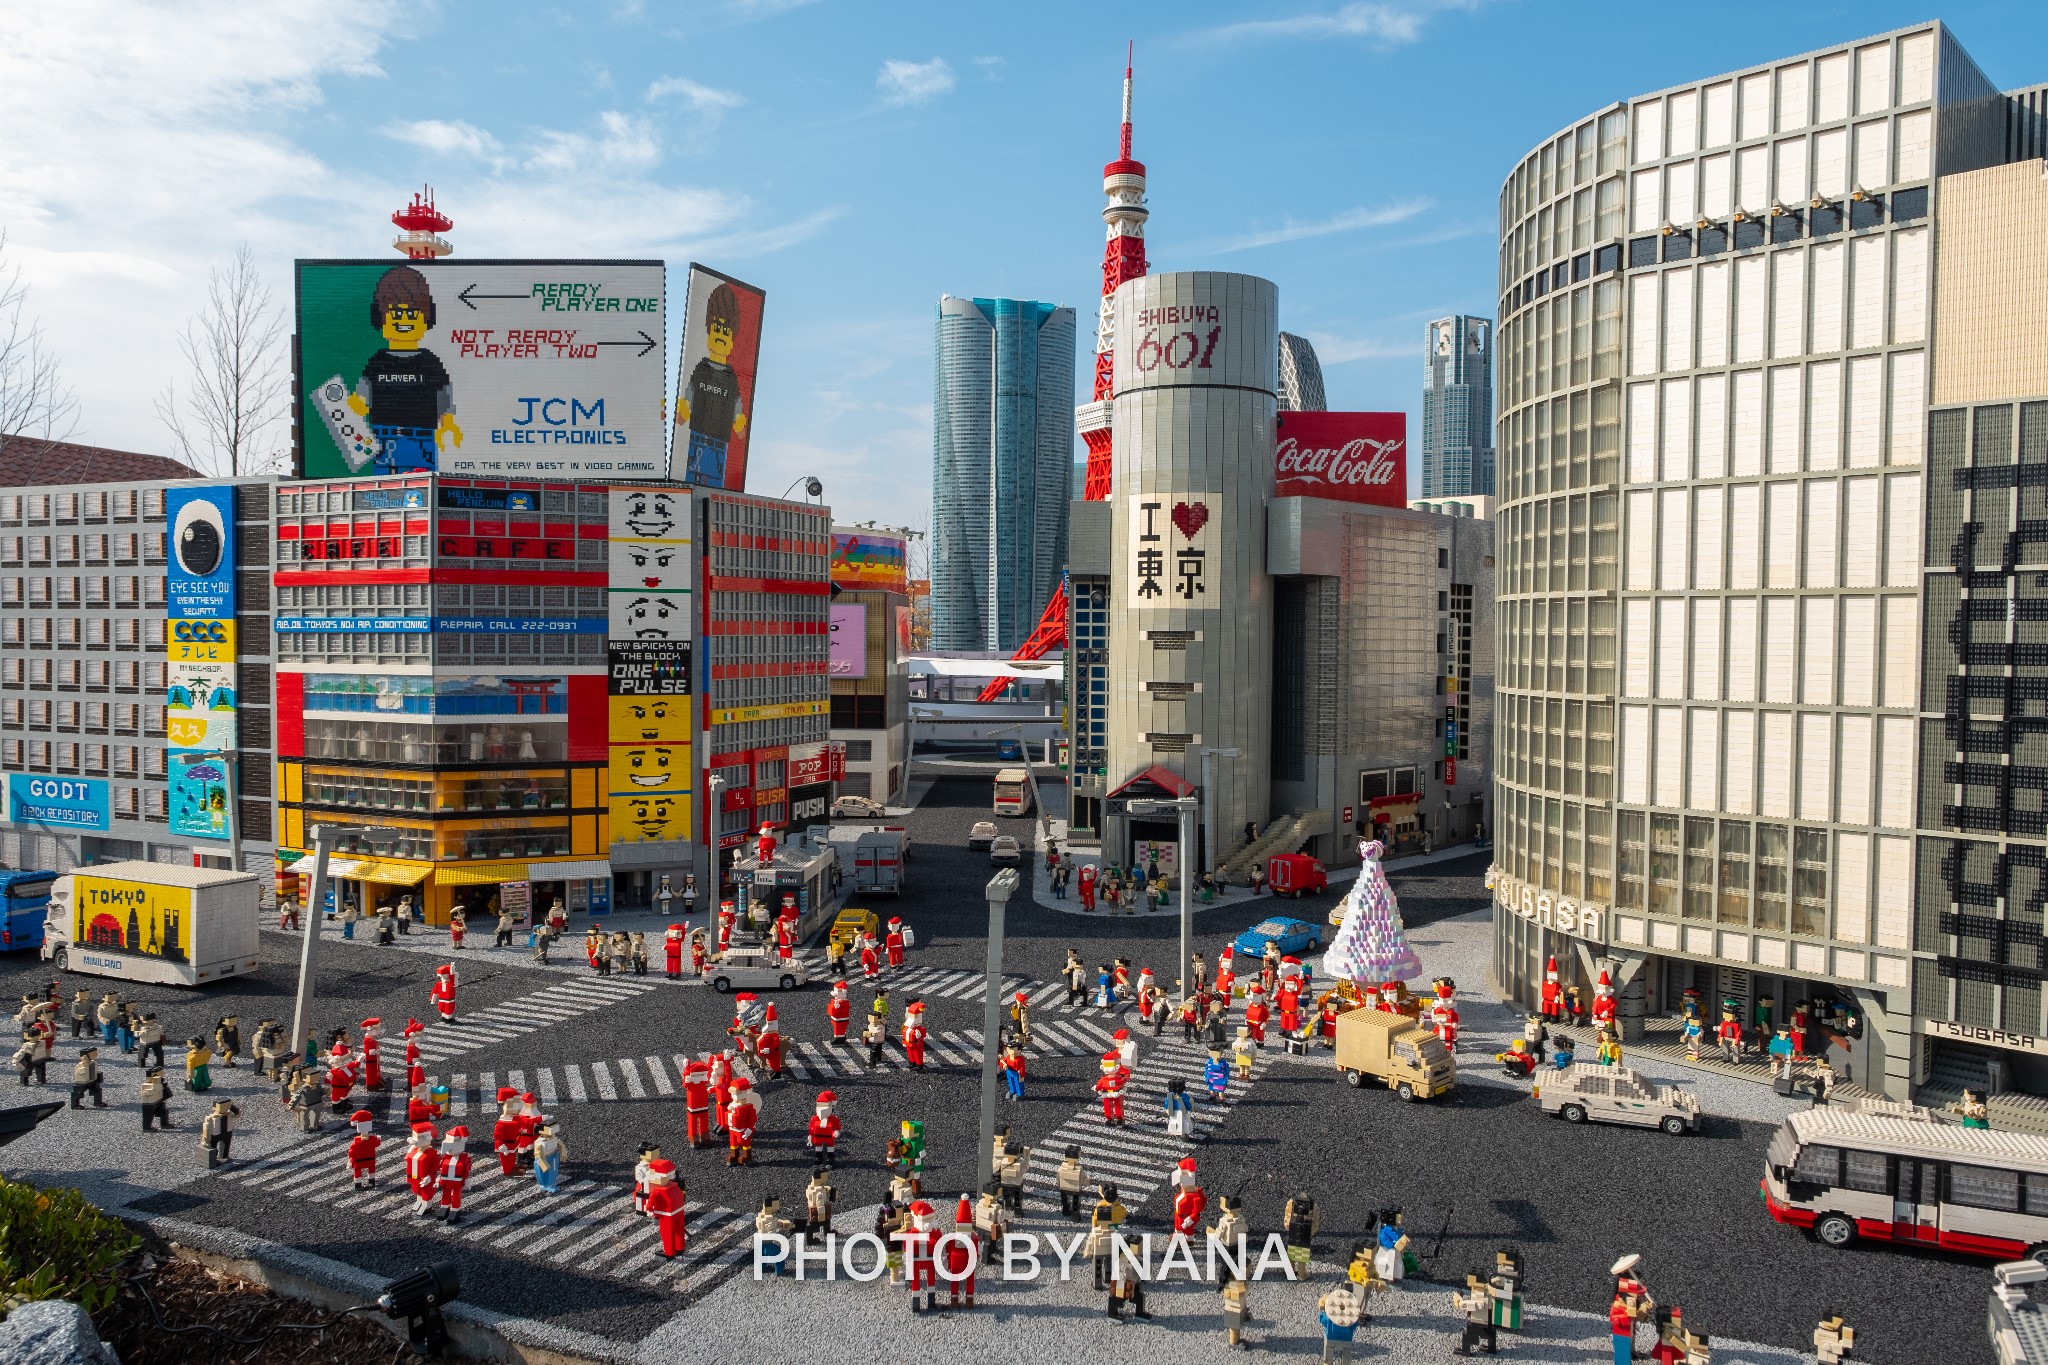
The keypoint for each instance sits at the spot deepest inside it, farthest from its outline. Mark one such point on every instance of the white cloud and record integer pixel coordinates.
(992, 67)
(1391, 23)
(621, 142)
(1349, 221)
(904, 82)
(696, 96)
(445, 137)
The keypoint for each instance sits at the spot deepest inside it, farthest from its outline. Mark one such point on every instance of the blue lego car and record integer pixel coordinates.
(1293, 936)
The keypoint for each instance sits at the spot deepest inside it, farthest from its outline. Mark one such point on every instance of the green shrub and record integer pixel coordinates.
(54, 1245)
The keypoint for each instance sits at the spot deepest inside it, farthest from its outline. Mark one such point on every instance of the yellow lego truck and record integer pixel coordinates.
(1392, 1048)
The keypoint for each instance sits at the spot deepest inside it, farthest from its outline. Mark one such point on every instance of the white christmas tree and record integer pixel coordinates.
(1370, 948)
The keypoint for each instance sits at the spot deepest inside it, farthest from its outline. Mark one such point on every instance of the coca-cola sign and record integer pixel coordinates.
(1349, 456)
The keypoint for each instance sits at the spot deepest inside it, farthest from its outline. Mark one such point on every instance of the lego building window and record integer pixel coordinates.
(1984, 1187)
(1867, 1171)
(1818, 1164)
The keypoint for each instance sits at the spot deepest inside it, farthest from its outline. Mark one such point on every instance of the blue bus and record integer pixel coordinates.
(24, 906)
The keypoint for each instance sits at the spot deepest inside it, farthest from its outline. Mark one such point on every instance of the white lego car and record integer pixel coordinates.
(1617, 1094)
(1004, 849)
(859, 807)
(750, 966)
(982, 835)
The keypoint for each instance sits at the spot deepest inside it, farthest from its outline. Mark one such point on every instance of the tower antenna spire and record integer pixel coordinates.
(1123, 258)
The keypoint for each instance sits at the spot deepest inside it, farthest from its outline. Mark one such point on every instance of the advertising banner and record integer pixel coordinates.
(1348, 456)
(198, 797)
(496, 368)
(200, 579)
(651, 727)
(135, 917)
(874, 560)
(715, 381)
(57, 802)
(1173, 551)
(848, 656)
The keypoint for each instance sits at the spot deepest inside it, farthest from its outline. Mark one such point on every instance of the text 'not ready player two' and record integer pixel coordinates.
(495, 368)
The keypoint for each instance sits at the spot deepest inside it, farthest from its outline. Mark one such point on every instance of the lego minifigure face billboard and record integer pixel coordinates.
(650, 616)
(637, 768)
(650, 819)
(639, 720)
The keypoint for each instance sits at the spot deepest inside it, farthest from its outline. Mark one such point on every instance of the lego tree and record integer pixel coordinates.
(1371, 948)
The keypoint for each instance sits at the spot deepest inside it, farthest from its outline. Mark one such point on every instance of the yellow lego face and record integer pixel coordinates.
(718, 341)
(637, 768)
(650, 718)
(650, 819)
(405, 328)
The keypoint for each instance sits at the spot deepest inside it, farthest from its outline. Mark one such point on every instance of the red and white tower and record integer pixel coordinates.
(1123, 258)
(422, 223)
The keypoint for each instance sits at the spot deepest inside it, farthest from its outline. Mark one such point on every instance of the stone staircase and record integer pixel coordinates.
(1954, 1071)
(1283, 835)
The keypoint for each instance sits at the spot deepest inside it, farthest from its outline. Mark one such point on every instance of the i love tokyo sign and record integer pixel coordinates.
(1348, 456)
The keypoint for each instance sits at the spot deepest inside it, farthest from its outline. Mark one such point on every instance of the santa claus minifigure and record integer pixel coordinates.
(505, 1131)
(530, 1122)
(362, 1149)
(740, 1117)
(665, 1202)
(697, 1102)
(415, 1074)
(826, 1125)
(419, 1105)
(454, 1172)
(1443, 1012)
(721, 1089)
(839, 1009)
(914, 1035)
(1126, 1049)
(1603, 1001)
(341, 1070)
(1146, 991)
(920, 1273)
(672, 952)
(1111, 1087)
(962, 1252)
(893, 941)
(1256, 1013)
(870, 957)
(746, 1022)
(726, 917)
(373, 1054)
(1226, 972)
(1189, 1199)
(785, 939)
(422, 1168)
(764, 847)
(443, 992)
(1552, 1007)
(768, 1043)
(1290, 1004)
(698, 952)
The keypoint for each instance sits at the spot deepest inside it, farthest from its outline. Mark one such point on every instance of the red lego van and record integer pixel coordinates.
(1296, 874)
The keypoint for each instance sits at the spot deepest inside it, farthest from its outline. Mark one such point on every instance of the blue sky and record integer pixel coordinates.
(856, 160)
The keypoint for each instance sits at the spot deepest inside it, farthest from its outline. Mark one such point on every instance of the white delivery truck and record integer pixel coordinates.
(176, 926)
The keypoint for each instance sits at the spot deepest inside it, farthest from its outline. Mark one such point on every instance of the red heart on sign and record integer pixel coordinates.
(1190, 517)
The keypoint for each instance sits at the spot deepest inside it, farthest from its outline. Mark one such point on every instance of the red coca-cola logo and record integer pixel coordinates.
(1349, 456)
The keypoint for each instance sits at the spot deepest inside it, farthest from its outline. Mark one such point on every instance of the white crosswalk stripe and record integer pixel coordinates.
(545, 1085)
(601, 1077)
(631, 1072)
(527, 1014)
(573, 1074)
(659, 1074)
(458, 1095)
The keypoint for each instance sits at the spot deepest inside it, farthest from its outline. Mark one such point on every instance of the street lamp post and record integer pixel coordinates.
(715, 784)
(380, 837)
(1000, 888)
(1184, 808)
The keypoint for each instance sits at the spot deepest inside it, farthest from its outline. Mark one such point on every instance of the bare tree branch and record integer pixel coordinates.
(235, 389)
(37, 409)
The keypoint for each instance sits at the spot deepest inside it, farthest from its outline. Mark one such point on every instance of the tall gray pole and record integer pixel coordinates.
(309, 944)
(999, 888)
(1187, 905)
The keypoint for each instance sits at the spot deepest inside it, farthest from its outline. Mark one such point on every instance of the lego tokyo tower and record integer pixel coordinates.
(1123, 258)
(423, 223)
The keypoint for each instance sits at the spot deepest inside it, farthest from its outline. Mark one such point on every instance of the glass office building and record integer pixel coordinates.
(1457, 408)
(1002, 468)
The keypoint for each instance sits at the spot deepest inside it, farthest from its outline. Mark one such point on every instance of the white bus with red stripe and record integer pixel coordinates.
(1846, 1174)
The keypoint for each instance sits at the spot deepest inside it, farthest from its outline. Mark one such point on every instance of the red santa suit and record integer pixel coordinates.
(341, 1074)
(725, 923)
(825, 1129)
(697, 952)
(839, 1010)
(415, 1074)
(919, 1272)
(1146, 992)
(443, 993)
(530, 1120)
(672, 950)
(362, 1148)
(768, 1046)
(505, 1131)
(373, 1055)
(419, 1106)
(454, 1173)
(1111, 1088)
(422, 1167)
(1290, 1007)
(870, 958)
(1552, 1006)
(1084, 883)
(914, 1035)
(1226, 974)
(1189, 1203)
(785, 939)
(665, 1202)
(1445, 1016)
(1329, 1029)
(962, 1253)
(697, 1102)
(894, 941)
(1256, 1013)
(721, 1089)
(740, 1117)
(1126, 1049)
(1120, 979)
(1603, 1001)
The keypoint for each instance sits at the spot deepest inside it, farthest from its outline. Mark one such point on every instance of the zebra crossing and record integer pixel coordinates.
(515, 1018)
(588, 1227)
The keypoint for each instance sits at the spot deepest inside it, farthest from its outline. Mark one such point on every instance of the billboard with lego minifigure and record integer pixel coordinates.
(715, 381)
(1348, 456)
(535, 369)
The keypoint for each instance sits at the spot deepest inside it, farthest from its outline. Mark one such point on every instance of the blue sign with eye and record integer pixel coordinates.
(200, 579)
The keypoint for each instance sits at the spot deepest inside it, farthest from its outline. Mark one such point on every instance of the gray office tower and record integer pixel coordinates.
(1002, 468)
(1457, 409)
(1301, 376)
